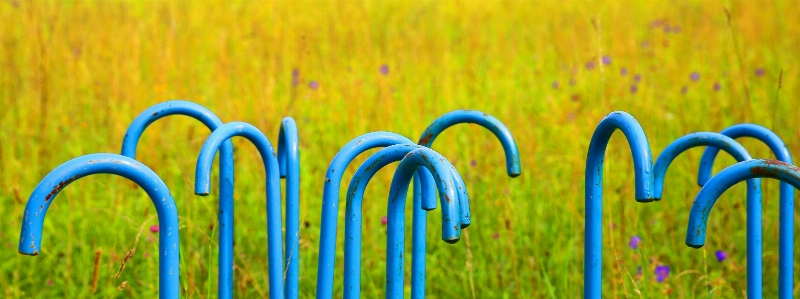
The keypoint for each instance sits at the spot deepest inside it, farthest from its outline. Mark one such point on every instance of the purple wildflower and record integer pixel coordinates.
(695, 76)
(684, 89)
(634, 88)
(384, 220)
(384, 69)
(717, 87)
(637, 77)
(639, 271)
(606, 59)
(662, 272)
(495, 236)
(590, 65)
(154, 229)
(295, 77)
(313, 85)
(760, 72)
(721, 255)
(656, 23)
(634, 242)
(623, 71)
(555, 84)
(473, 163)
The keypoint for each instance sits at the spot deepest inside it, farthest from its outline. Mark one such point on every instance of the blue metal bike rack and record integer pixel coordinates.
(786, 210)
(44, 194)
(441, 170)
(718, 184)
(353, 219)
(644, 178)
(288, 158)
(202, 187)
(210, 120)
(513, 168)
(754, 227)
(330, 200)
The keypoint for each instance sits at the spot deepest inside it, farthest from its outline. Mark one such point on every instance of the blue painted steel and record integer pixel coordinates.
(513, 168)
(168, 240)
(353, 219)
(210, 120)
(395, 242)
(718, 184)
(642, 162)
(754, 230)
(273, 193)
(786, 210)
(289, 163)
(330, 200)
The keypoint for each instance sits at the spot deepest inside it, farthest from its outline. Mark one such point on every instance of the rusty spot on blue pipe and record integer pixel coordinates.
(426, 139)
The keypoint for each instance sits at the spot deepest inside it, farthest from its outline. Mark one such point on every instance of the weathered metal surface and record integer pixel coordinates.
(168, 239)
(353, 219)
(273, 202)
(513, 168)
(212, 122)
(786, 210)
(441, 170)
(643, 164)
(330, 201)
(754, 209)
(718, 184)
(289, 163)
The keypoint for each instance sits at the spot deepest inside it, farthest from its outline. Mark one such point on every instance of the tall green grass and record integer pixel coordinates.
(73, 74)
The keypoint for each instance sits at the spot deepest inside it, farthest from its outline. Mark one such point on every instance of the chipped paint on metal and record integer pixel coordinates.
(44, 195)
(786, 202)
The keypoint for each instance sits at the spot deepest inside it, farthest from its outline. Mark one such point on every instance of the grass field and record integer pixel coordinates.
(74, 74)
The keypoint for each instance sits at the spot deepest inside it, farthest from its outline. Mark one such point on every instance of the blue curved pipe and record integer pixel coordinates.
(441, 170)
(642, 162)
(273, 202)
(513, 168)
(353, 219)
(330, 200)
(786, 210)
(289, 163)
(754, 230)
(718, 184)
(212, 122)
(44, 194)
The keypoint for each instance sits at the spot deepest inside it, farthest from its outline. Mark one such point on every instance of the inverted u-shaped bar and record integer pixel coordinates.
(441, 170)
(44, 194)
(642, 163)
(786, 210)
(289, 163)
(513, 168)
(273, 202)
(212, 122)
(754, 235)
(353, 219)
(330, 200)
(718, 184)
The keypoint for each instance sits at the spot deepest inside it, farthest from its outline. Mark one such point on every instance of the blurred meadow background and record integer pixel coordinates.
(73, 75)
